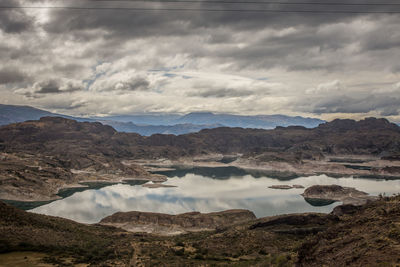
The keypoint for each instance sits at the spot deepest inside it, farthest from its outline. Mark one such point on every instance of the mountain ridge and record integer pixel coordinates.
(165, 123)
(378, 135)
(66, 151)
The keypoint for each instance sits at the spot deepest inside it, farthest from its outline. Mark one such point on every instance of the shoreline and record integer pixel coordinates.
(307, 168)
(357, 166)
(84, 184)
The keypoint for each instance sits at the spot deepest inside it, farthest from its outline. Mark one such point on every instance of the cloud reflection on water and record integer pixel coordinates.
(204, 194)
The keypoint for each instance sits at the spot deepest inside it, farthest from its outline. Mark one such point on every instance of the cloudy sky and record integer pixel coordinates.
(125, 61)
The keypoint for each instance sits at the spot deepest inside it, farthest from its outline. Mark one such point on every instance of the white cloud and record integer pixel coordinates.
(335, 87)
(247, 64)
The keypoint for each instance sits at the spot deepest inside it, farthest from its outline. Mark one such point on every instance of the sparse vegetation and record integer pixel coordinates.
(357, 239)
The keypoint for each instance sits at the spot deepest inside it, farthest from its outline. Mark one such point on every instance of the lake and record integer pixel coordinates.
(205, 190)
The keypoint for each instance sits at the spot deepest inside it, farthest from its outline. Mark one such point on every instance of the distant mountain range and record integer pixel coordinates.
(148, 130)
(257, 121)
(12, 114)
(148, 124)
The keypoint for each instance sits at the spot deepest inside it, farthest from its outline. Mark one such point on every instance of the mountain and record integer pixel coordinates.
(148, 124)
(144, 119)
(148, 130)
(258, 121)
(13, 113)
(38, 157)
(209, 118)
(65, 136)
(370, 136)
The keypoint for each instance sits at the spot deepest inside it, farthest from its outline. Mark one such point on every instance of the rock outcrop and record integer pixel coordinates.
(37, 158)
(366, 236)
(347, 195)
(166, 224)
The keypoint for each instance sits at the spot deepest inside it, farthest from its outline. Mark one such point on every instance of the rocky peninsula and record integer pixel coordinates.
(165, 224)
(346, 195)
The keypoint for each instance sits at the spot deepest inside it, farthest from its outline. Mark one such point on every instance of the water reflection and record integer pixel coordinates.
(227, 173)
(205, 192)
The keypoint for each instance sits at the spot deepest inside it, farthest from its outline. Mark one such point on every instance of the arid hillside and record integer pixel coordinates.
(350, 236)
(37, 158)
(67, 139)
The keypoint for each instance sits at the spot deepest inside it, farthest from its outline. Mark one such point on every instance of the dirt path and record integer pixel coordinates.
(135, 260)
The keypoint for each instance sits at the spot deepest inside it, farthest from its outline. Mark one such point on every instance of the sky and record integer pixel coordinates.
(101, 62)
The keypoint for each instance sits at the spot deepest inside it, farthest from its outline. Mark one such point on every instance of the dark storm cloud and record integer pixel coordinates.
(385, 104)
(14, 21)
(133, 84)
(90, 60)
(11, 75)
(314, 47)
(290, 51)
(130, 23)
(50, 87)
(122, 84)
(390, 111)
(70, 69)
(385, 37)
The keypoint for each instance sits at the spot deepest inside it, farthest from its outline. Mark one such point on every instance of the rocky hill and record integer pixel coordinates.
(346, 195)
(364, 236)
(24, 231)
(369, 236)
(37, 158)
(62, 136)
(370, 136)
(166, 224)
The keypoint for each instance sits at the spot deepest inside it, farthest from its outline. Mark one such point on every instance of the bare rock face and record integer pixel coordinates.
(345, 209)
(166, 224)
(37, 158)
(347, 195)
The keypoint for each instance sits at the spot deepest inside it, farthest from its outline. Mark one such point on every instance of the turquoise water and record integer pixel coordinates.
(206, 190)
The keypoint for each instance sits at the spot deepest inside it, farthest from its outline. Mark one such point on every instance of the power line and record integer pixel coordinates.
(246, 2)
(202, 10)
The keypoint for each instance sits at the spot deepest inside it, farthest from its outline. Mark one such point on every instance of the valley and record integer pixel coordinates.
(199, 133)
(86, 172)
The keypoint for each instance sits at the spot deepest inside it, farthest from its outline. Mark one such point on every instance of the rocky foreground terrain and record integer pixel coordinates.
(165, 224)
(37, 158)
(367, 235)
